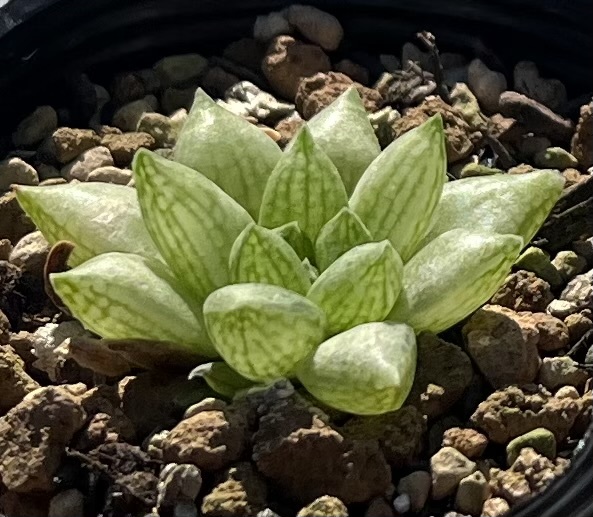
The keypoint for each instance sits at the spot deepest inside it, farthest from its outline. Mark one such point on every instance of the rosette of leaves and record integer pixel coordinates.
(318, 263)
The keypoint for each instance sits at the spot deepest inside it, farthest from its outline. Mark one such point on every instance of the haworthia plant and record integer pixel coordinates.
(318, 263)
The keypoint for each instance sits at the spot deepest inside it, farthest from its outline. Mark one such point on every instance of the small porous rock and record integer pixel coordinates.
(110, 174)
(247, 100)
(530, 474)
(417, 487)
(307, 458)
(459, 137)
(66, 143)
(555, 158)
(443, 372)
(553, 334)
(353, 70)
(5, 249)
(287, 61)
(86, 163)
(400, 433)
(181, 70)
(540, 439)
(569, 264)
(35, 127)
(160, 127)
(320, 90)
(561, 371)
(15, 383)
(127, 117)
(581, 145)
(268, 26)
(18, 172)
(514, 411)
(550, 92)
(578, 325)
(242, 493)
(537, 261)
(210, 440)
(486, 85)
(578, 294)
(324, 506)
(123, 147)
(208, 404)
(495, 507)
(505, 352)
(473, 490)
(69, 503)
(536, 117)
(316, 25)
(288, 128)
(34, 434)
(178, 482)
(448, 467)
(523, 291)
(469, 442)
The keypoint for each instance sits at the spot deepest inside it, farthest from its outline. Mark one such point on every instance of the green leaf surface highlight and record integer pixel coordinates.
(262, 331)
(452, 276)
(360, 287)
(367, 370)
(228, 150)
(400, 190)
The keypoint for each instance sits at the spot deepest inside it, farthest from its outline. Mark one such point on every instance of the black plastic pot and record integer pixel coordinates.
(43, 43)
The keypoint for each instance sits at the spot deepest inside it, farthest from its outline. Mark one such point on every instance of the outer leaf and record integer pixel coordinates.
(261, 256)
(96, 217)
(452, 276)
(291, 233)
(504, 203)
(262, 331)
(367, 370)
(304, 187)
(125, 296)
(340, 234)
(398, 193)
(228, 150)
(191, 220)
(344, 132)
(221, 378)
(361, 286)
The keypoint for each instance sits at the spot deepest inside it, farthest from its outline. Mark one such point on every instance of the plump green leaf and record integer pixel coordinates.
(344, 132)
(262, 331)
(304, 187)
(503, 203)
(95, 217)
(228, 150)
(191, 220)
(367, 370)
(398, 193)
(125, 296)
(452, 276)
(261, 256)
(340, 234)
(222, 378)
(360, 287)
(299, 242)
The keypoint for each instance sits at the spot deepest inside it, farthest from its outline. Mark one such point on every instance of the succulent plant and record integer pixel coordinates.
(318, 263)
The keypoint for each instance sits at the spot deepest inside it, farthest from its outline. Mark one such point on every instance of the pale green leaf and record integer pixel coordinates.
(360, 287)
(503, 203)
(452, 276)
(233, 153)
(344, 132)
(261, 256)
(125, 296)
(304, 187)
(262, 331)
(367, 370)
(221, 378)
(191, 220)
(291, 233)
(95, 217)
(340, 234)
(398, 193)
